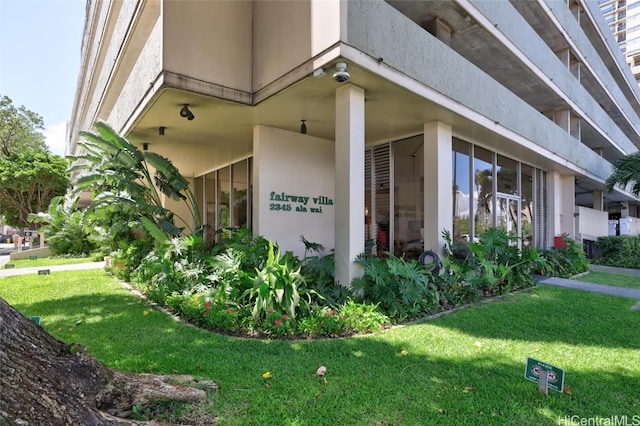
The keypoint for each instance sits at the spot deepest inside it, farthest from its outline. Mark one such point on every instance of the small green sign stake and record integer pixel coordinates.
(9, 266)
(43, 272)
(35, 319)
(33, 257)
(547, 376)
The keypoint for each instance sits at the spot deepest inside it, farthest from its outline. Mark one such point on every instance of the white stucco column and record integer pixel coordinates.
(598, 200)
(562, 200)
(624, 209)
(349, 206)
(438, 189)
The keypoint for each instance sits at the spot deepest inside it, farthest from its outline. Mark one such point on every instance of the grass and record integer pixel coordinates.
(619, 280)
(48, 261)
(466, 368)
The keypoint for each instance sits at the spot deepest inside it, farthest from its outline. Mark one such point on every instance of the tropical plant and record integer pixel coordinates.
(402, 288)
(120, 177)
(278, 286)
(175, 266)
(64, 227)
(565, 261)
(626, 170)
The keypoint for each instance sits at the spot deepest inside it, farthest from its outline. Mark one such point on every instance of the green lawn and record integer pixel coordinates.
(47, 261)
(619, 280)
(466, 368)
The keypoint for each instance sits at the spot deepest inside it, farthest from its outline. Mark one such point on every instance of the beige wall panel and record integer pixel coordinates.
(197, 159)
(209, 41)
(288, 165)
(137, 79)
(288, 33)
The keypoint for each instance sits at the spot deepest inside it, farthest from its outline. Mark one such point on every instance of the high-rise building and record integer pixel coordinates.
(623, 18)
(360, 123)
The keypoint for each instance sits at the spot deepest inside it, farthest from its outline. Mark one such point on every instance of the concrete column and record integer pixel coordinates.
(41, 240)
(438, 190)
(561, 204)
(598, 200)
(349, 157)
(563, 119)
(624, 209)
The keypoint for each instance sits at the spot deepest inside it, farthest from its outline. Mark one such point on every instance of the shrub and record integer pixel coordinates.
(402, 289)
(323, 321)
(279, 324)
(565, 261)
(620, 251)
(174, 267)
(277, 286)
(363, 318)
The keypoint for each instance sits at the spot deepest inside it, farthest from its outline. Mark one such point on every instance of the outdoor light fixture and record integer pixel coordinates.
(303, 127)
(184, 112)
(145, 146)
(162, 128)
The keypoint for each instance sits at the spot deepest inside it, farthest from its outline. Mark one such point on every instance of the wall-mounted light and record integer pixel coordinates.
(161, 130)
(145, 146)
(186, 113)
(303, 127)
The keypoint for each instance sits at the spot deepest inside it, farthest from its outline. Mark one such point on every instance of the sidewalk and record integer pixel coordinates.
(26, 271)
(631, 293)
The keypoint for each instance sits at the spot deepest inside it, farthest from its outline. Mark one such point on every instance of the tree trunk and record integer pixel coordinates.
(45, 381)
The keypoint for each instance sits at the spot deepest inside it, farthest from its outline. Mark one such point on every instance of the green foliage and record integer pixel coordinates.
(626, 170)
(279, 324)
(564, 261)
(402, 289)
(175, 266)
(494, 265)
(64, 228)
(277, 286)
(362, 317)
(323, 322)
(620, 251)
(20, 130)
(28, 183)
(119, 175)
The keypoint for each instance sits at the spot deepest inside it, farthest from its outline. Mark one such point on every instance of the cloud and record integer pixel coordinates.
(55, 136)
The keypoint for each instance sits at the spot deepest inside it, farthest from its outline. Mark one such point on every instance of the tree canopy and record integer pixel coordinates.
(28, 183)
(19, 129)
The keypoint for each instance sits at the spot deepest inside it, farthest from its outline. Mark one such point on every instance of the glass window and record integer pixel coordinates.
(461, 164)
(526, 214)
(198, 191)
(408, 161)
(483, 191)
(210, 191)
(224, 188)
(240, 193)
(507, 174)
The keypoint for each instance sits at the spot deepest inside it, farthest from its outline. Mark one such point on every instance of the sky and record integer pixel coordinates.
(40, 44)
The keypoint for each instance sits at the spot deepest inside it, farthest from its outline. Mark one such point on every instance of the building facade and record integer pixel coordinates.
(372, 125)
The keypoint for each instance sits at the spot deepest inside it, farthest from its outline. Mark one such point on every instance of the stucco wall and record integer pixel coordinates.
(288, 33)
(290, 164)
(209, 41)
(512, 25)
(592, 223)
(381, 31)
(136, 80)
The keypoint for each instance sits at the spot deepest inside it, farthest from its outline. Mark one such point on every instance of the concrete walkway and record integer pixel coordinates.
(25, 271)
(632, 293)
